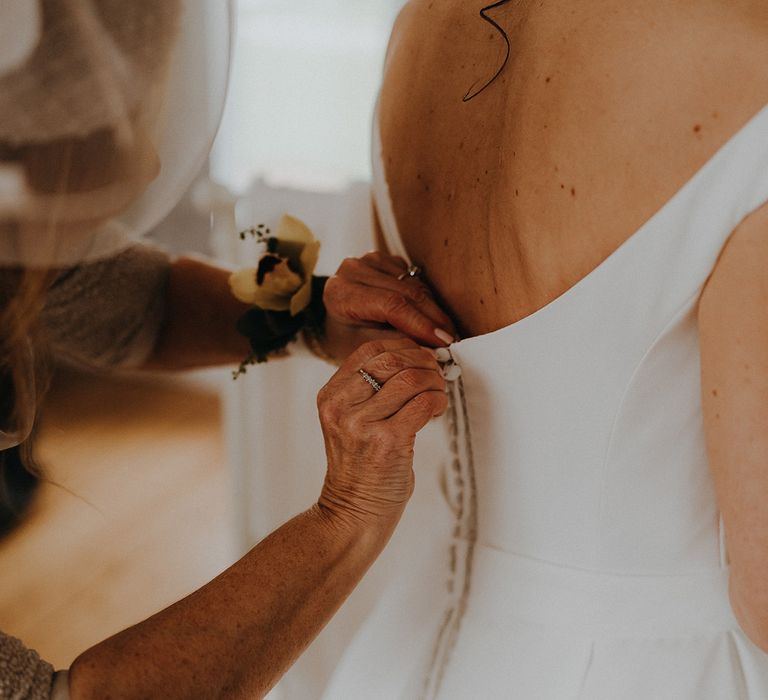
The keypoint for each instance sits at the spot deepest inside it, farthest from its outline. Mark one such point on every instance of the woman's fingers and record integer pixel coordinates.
(363, 304)
(418, 411)
(399, 391)
(391, 368)
(370, 423)
(392, 265)
(382, 377)
(380, 361)
(366, 353)
(346, 388)
(411, 288)
(368, 290)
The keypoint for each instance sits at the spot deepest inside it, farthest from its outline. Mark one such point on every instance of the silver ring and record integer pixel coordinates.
(412, 271)
(368, 378)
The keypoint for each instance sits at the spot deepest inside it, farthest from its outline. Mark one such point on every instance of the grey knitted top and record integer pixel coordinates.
(104, 314)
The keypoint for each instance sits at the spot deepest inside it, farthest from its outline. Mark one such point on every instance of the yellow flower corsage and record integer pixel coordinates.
(284, 294)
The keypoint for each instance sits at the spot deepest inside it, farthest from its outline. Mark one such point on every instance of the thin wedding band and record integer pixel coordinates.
(368, 378)
(412, 271)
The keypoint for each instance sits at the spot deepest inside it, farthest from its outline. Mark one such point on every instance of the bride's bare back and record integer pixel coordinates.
(603, 111)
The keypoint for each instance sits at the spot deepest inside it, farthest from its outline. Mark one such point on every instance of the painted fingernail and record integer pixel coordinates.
(446, 337)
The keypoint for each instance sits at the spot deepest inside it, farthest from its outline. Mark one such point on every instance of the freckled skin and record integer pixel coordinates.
(636, 97)
(573, 100)
(733, 326)
(235, 636)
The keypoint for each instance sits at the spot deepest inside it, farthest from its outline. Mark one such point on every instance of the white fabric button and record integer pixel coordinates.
(449, 369)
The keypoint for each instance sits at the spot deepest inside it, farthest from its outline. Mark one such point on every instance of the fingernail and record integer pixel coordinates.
(446, 337)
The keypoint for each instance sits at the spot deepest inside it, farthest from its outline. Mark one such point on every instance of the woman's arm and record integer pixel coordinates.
(199, 327)
(364, 300)
(236, 636)
(734, 354)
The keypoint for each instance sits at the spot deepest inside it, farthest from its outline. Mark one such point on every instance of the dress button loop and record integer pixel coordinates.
(449, 369)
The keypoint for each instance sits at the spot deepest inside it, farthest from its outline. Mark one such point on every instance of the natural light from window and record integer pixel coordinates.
(304, 80)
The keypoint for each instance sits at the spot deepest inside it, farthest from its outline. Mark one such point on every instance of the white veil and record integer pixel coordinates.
(108, 109)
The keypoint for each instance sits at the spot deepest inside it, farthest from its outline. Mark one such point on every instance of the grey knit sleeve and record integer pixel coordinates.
(23, 674)
(108, 313)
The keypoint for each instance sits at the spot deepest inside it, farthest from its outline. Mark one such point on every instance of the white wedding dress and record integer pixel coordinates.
(564, 541)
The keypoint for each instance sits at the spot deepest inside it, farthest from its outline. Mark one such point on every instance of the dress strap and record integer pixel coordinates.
(690, 232)
(381, 196)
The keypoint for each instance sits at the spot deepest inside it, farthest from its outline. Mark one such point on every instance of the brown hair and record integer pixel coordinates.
(68, 157)
(48, 168)
(18, 323)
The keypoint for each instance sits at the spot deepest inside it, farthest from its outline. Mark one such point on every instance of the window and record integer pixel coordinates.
(304, 80)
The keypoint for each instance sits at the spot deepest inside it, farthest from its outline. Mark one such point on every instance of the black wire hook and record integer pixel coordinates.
(472, 93)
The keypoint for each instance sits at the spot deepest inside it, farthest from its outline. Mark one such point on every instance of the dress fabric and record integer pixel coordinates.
(564, 541)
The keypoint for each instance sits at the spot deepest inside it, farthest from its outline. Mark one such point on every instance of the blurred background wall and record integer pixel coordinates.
(303, 85)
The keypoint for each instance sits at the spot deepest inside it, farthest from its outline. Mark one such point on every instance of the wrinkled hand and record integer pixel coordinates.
(369, 435)
(366, 301)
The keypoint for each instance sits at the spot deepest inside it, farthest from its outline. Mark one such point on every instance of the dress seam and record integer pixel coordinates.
(673, 317)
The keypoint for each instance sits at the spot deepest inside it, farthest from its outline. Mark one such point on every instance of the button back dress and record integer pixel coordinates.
(564, 541)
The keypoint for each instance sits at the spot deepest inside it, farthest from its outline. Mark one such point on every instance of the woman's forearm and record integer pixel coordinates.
(363, 303)
(237, 635)
(200, 319)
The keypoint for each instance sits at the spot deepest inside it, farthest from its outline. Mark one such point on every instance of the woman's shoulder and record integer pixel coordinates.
(722, 36)
(697, 68)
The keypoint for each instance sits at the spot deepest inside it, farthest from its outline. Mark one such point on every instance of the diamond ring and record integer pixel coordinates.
(412, 271)
(368, 378)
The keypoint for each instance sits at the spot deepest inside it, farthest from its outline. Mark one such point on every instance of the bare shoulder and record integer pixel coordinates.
(746, 22)
(403, 21)
(698, 70)
(733, 327)
(753, 13)
(733, 32)
(740, 270)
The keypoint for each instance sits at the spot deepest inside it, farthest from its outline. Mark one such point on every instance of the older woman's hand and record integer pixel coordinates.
(365, 300)
(369, 433)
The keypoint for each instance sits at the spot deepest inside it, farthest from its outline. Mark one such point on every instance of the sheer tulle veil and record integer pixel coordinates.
(108, 110)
